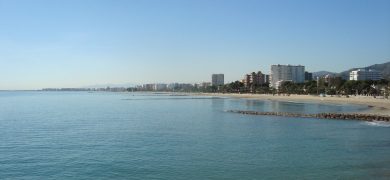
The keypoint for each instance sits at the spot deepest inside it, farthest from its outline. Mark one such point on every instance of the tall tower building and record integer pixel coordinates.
(217, 79)
(281, 73)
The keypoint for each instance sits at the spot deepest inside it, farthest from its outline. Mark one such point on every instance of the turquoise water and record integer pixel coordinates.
(80, 135)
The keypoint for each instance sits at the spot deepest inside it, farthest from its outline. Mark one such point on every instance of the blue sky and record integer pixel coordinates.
(73, 43)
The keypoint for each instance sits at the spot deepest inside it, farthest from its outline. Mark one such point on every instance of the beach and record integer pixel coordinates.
(378, 106)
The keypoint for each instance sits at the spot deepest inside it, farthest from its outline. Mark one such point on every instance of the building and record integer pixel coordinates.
(329, 77)
(266, 78)
(160, 87)
(308, 76)
(173, 86)
(254, 79)
(281, 73)
(365, 74)
(148, 87)
(204, 84)
(217, 79)
(179, 87)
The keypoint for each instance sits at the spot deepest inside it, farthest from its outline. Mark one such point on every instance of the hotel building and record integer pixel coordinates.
(217, 79)
(365, 74)
(281, 73)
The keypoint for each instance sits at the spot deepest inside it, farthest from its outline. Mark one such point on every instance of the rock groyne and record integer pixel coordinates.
(343, 116)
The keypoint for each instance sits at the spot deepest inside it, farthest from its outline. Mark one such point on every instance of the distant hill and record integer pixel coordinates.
(111, 85)
(322, 73)
(383, 68)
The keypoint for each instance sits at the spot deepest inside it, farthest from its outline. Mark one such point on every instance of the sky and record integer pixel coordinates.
(77, 43)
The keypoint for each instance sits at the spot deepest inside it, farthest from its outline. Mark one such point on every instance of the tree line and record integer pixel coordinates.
(334, 86)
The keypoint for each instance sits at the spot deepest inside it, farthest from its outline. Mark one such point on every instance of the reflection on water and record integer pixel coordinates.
(297, 107)
(218, 104)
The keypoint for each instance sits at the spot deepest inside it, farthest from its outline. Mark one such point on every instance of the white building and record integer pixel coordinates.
(204, 84)
(217, 79)
(281, 73)
(365, 74)
(160, 87)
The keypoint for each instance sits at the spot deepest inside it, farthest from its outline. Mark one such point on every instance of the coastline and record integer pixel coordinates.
(376, 106)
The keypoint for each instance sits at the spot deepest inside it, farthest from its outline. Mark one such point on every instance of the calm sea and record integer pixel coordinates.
(81, 135)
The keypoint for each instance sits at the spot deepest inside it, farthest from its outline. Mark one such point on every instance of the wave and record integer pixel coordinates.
(378, 123)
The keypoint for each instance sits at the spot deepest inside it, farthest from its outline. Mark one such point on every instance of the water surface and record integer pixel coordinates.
(80, 135)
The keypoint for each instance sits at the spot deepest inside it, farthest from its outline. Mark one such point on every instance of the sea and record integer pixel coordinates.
(105, 135)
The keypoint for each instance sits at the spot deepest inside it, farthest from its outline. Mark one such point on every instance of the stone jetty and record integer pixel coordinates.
(343, 116)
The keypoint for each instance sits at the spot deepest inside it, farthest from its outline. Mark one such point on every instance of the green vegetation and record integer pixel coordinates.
(334, 86)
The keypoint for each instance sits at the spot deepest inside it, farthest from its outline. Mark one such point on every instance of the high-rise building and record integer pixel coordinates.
(266, 78)
(281, 73)
(308, 76)
(217, 80)
(148, 87)
(160, 87)
(365, 74)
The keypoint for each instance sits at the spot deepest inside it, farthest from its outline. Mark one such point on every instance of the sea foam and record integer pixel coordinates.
(378, 123)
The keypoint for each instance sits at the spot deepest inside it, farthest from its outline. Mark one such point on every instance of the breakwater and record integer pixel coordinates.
(343, 116)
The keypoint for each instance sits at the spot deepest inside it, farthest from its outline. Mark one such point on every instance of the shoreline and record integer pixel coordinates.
(375, 106)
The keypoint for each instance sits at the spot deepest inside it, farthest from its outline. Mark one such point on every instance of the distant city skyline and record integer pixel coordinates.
(53, 44)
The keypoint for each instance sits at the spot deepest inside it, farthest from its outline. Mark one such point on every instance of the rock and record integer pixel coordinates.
(364, 117)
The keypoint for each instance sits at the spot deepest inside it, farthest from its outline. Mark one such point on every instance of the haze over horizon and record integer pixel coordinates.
(80, 43)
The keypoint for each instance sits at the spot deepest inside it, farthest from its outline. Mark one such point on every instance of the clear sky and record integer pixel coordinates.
(74, 43)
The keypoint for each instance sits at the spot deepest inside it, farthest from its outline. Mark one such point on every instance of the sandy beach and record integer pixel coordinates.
(377, 106)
